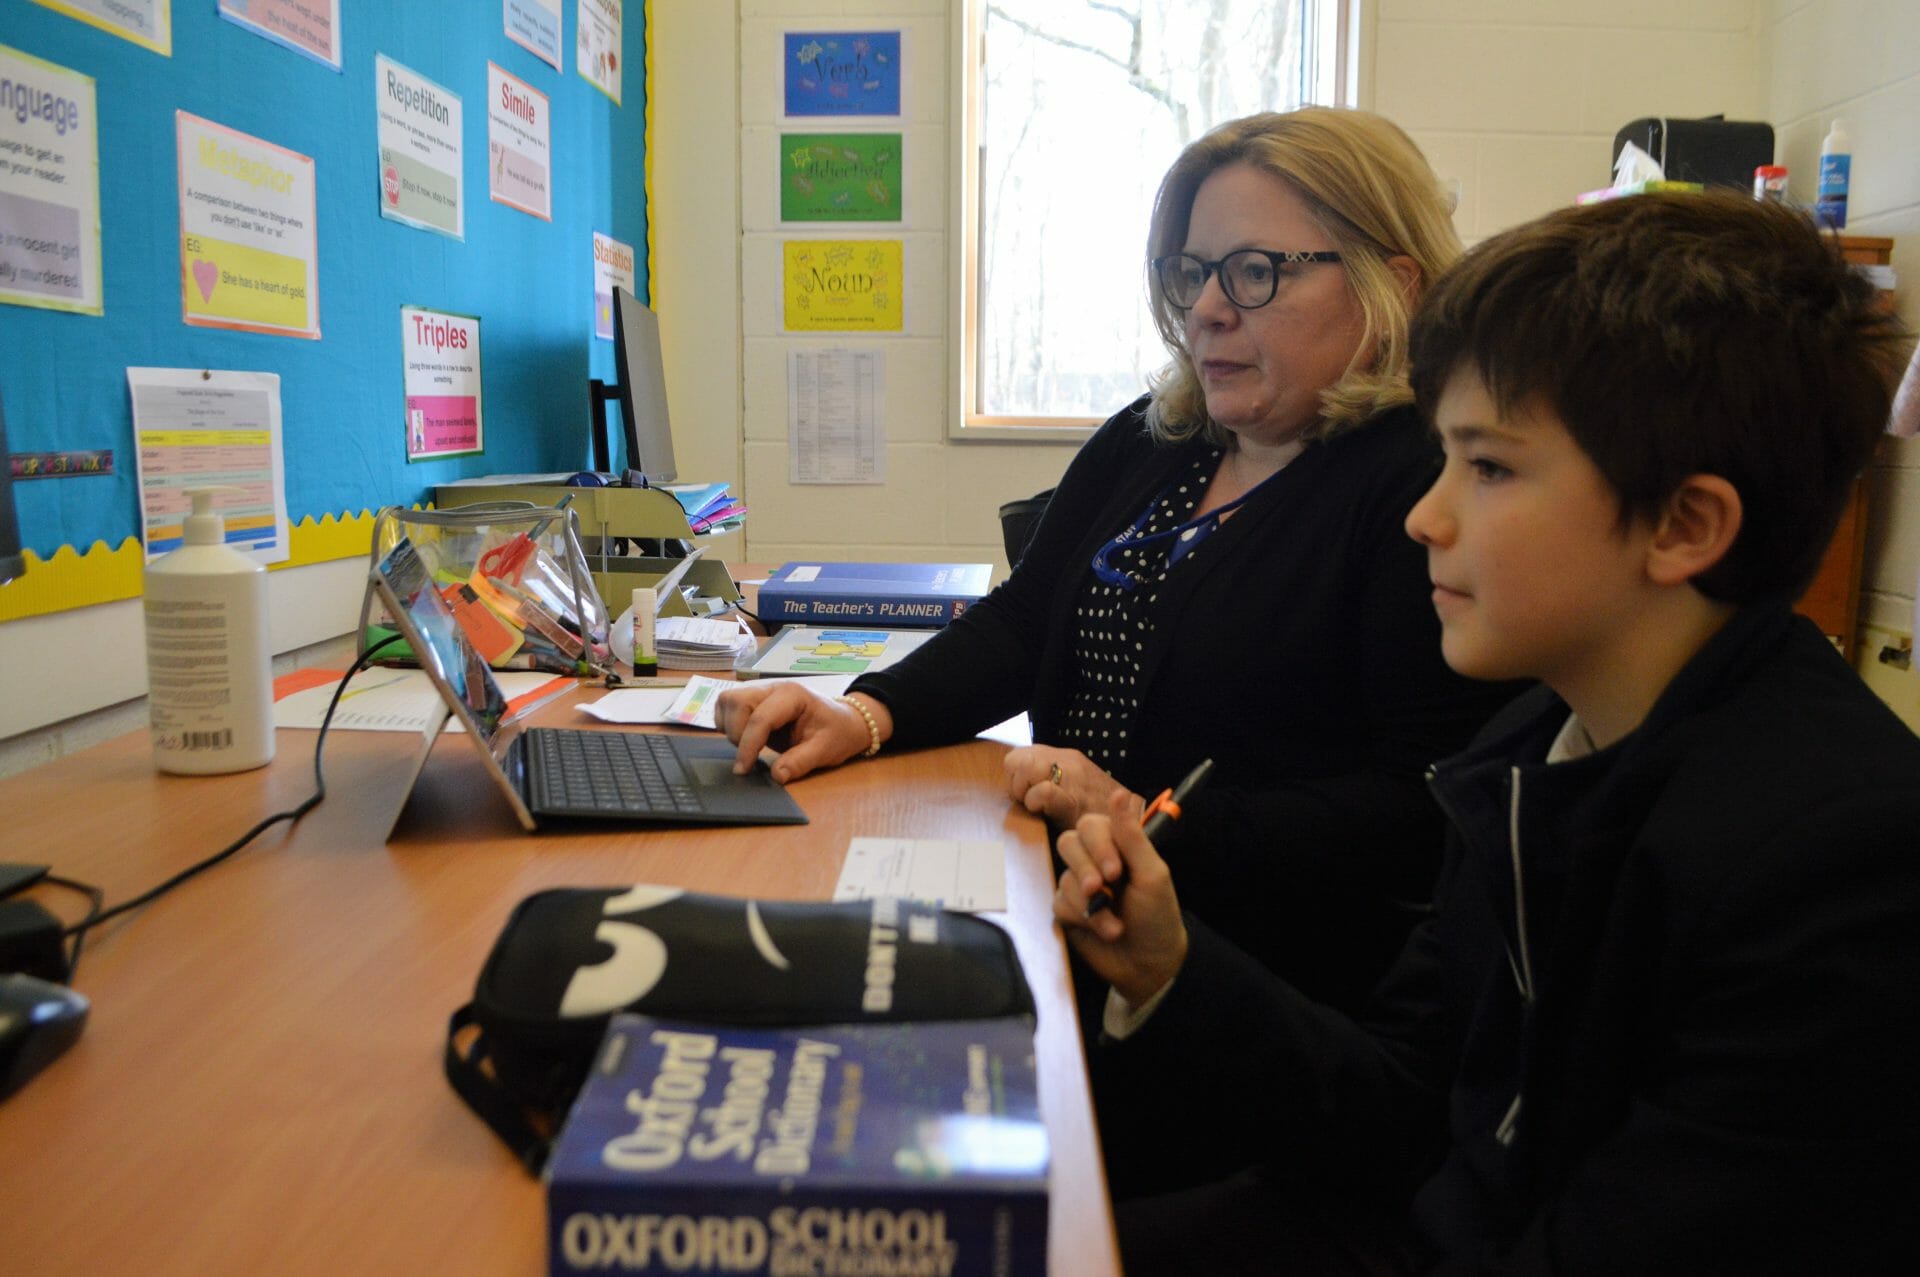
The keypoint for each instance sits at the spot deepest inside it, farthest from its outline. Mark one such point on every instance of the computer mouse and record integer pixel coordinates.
(38, 1020)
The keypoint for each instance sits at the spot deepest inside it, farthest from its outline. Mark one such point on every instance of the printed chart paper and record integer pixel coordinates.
(49, 187)
(148, 23)
(612, 268)
(202, 429)
(534, 25)
(248, 248)
(833, 417)
(519, 145)
(419, 150)
(311, 27)
(970, 876)
(597, 24)
(843, 286)
(442, 356)
(840, 177)
(842, 72)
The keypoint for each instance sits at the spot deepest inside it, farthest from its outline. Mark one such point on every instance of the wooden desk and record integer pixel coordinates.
(259, 1089)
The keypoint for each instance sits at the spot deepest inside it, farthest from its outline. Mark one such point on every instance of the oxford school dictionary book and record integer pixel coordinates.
(874, 1150)
(919, 595)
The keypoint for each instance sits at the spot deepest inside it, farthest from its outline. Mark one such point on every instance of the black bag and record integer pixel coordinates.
(571, 957)
(1715, 151)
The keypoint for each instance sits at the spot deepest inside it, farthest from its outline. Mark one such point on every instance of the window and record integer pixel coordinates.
(1073, 109)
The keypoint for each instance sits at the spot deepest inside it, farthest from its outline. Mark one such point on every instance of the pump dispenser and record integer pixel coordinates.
(209, 661)
(1836, 174)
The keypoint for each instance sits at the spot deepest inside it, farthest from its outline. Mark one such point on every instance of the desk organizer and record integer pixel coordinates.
(514, 577)
(608, 516)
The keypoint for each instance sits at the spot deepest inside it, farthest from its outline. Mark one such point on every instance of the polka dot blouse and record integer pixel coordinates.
(1113, 625)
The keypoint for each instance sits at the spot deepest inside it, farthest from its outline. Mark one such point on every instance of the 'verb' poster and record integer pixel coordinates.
(842, 72)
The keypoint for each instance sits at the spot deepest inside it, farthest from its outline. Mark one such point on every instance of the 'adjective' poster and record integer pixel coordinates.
(612, 268)
(842, 72)
(49, 186)
(519, 145)
(249, 252)
(842, 286)
(195, 428)
(419, 150)
(534, 25)
(840, 177)
(597, 26)
(311, 27)
(148, 23)
(442, 357)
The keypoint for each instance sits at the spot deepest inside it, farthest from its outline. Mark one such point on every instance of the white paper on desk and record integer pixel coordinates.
(697, 701)
(1016, 731)
(970, 876)
(634, 705)
(388, 700)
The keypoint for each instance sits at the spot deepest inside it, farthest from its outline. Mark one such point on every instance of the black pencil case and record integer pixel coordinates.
(569, 958)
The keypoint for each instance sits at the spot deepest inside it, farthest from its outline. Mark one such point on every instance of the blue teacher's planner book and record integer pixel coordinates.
(898, 1148)
(923, 595)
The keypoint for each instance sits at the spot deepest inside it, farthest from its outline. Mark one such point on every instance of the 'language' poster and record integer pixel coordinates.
(248, 247)
(49, 186)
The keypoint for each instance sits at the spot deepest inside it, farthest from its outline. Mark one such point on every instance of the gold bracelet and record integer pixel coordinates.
(873, 728)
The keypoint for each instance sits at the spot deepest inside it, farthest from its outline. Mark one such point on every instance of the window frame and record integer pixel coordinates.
(1337, 70)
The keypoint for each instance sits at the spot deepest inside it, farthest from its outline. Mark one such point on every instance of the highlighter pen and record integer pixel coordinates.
(1160, 813)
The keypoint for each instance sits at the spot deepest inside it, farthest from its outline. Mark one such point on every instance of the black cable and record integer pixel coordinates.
(292, 815)
(97, 898)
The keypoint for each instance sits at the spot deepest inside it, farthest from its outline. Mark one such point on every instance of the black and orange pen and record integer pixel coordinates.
(1160, 813)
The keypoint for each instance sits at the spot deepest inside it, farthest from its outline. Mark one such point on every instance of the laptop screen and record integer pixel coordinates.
(442, 645)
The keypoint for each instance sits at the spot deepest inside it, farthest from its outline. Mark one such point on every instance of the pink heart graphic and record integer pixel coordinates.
(206, 274)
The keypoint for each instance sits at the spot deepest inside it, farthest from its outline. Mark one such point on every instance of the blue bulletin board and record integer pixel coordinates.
(530, 281)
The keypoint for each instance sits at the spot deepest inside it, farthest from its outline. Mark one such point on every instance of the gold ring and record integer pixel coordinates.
(1055, 775)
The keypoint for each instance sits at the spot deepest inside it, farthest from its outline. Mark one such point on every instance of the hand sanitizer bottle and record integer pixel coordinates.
(1836, 171)
(209, 661)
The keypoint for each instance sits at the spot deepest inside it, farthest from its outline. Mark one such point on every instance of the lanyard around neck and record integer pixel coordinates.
(1135, 534)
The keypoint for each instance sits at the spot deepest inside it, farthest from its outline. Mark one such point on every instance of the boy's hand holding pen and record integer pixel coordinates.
(1159, 816)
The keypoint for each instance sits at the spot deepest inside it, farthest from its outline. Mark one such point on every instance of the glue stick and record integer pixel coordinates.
(646, 659)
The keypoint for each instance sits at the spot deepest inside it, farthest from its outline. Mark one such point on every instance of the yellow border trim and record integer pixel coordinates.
(646, 160)
(103, 574)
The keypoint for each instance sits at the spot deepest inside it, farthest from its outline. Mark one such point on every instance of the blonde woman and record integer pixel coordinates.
(1222, 571)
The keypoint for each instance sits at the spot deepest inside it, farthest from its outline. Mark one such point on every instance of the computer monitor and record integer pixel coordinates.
(642, 391)
(12, 562)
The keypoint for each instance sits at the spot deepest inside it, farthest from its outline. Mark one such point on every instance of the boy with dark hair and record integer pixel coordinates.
(1658, 1021)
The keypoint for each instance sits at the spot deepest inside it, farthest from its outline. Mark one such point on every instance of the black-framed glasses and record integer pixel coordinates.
(1249, 277)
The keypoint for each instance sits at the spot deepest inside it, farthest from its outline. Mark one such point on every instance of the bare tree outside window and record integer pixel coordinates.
(1082, 105)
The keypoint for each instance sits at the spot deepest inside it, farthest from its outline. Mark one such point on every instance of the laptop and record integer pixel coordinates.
(551, 773)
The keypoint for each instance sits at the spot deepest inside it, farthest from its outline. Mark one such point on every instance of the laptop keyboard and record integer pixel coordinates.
(605, 773)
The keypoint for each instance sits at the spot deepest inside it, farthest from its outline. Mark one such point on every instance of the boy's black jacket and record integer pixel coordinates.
(1723, 925)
